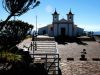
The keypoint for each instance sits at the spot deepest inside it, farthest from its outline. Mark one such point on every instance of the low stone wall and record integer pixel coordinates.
(86, 39)
(44, 39)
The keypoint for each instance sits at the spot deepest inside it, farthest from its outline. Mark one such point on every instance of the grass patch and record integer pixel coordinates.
(8, 56)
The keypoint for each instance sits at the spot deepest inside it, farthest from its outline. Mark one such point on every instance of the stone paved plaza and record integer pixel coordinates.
(80, 68)
(73, 50)
(77, 67)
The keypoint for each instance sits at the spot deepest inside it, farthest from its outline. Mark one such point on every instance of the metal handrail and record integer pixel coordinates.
(56, 56)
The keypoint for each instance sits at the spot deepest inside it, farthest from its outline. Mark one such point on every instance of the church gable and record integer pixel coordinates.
(63, 20)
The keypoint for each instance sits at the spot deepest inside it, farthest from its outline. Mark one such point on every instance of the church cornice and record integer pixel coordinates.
(62, 22)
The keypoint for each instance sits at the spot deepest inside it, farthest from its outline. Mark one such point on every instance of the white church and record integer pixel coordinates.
(61, 27)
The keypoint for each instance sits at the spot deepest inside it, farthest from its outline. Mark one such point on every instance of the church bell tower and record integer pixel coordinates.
(70, 16)
(55, 16)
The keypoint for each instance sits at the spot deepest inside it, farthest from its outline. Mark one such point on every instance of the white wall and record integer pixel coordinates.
(55, 30)
(75, 31)
(50, 33)
(70, 30)
(80, 31)
(40, 31)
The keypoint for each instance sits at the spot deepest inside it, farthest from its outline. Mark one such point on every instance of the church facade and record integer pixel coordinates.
(62, 27)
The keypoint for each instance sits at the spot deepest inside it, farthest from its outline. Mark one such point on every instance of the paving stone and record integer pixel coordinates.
(80, 68)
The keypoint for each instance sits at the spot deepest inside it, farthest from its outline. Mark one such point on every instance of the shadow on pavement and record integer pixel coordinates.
(65, 39)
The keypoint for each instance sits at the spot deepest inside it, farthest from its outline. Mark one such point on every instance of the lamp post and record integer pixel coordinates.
(36, 26)
(36, 35)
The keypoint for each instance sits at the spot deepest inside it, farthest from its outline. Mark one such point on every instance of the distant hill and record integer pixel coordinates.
(96, 33)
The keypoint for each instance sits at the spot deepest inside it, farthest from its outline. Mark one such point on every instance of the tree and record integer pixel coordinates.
(13, 33)
(18, 7)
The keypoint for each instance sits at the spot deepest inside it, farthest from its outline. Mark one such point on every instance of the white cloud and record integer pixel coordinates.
(49, 8)
(91, 27)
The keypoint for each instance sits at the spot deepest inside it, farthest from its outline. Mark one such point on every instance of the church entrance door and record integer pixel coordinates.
(63, 31)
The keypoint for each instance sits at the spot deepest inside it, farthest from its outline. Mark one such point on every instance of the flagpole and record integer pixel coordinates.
(36, 25)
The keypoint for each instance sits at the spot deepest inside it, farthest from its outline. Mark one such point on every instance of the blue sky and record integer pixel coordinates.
(87, 13)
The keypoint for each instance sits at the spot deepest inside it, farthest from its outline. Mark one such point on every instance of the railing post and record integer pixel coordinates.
(35, 45)
(33, 51)
(58, 64)
(28, 49)
(31, 45)
(46, 61)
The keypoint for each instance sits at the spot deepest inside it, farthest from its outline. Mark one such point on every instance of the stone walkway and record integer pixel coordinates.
(80, 68)
(26, 42)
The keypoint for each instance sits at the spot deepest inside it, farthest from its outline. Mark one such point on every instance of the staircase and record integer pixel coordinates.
(50, 61)
(46, 52)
